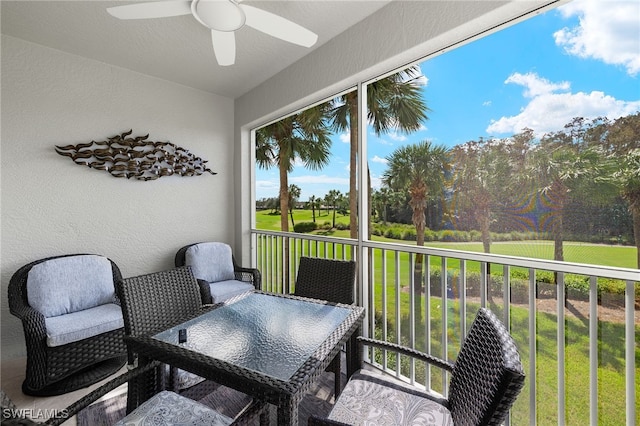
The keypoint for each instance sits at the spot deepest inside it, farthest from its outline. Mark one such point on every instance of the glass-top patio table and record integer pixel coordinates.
(272, 347)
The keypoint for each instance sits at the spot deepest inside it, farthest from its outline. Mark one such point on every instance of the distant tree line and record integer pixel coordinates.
(582, 181)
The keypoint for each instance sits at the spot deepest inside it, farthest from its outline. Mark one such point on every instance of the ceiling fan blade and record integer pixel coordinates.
(224, 46)
(279, 27)
(156, 9)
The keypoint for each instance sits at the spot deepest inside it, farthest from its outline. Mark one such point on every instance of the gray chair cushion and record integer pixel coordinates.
(211, 262)
(370, 399)
(225, 290)
(77, 326)
(70, 284)
(169, 408)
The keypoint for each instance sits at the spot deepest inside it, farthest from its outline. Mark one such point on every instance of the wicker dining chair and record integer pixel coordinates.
(330, 280)
(219, 276)
(154, 302)
(486, 378)
(167, 406)
(72, 321)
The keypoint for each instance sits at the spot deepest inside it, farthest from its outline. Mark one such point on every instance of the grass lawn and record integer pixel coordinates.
(598, 254)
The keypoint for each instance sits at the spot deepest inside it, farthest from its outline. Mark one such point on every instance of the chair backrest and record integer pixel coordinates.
(63, 284)
(326, 279)
(209, 261)
(487, 376)
(153, 302)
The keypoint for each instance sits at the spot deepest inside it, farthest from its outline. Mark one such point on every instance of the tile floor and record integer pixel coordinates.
(12, 375)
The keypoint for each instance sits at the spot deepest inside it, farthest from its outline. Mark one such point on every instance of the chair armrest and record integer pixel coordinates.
(205, 292)
(406, 351)
(93, 396)
(251, 275)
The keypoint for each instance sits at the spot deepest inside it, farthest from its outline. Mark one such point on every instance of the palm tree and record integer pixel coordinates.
(421, 171)
(294, 194)
(560, 170)
(302, 136)
(312, 204)
(393, 103)
(333, 199)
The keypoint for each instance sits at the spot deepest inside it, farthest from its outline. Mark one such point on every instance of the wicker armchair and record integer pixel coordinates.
(218, 274)
(330, 280)
(164, 405)
(72, 322)
(486, 379)
(154, 302)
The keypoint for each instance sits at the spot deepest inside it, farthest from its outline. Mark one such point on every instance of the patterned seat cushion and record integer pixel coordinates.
(370, 399)
(169, 408)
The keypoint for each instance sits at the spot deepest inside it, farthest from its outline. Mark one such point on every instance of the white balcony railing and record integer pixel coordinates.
(575, 325)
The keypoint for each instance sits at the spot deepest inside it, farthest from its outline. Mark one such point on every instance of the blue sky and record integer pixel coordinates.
(582, 59)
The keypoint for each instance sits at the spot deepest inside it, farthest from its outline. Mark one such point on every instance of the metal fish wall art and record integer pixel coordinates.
(136, 157)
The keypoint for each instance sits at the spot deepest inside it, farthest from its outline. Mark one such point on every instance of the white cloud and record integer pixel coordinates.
(549, 111)
(486, 103)
(534, 85)
(377, 159)
(397, 136)
(608, 31)
(345, 137)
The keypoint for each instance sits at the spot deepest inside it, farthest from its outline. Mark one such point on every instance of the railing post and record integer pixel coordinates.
(560, 344)
(532, 347)
(593, 351)
(630, 352)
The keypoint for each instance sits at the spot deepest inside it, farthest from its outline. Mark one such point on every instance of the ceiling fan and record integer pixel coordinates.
(222, 17)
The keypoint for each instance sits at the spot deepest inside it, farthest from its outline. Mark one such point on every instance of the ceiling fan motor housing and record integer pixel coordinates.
(219, 15)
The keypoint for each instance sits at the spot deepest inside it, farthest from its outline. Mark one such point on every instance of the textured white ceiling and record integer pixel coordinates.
(178, 49)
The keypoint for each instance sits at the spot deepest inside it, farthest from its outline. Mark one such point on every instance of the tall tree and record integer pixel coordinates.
(481, 172)
(624, 145)
(312, 204)
(332, 199)
(420, 170)
(304, 137)
(294, 194)
(560, 168)
(393, 103)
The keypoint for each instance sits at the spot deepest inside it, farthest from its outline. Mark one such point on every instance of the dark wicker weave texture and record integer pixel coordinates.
(249, 275)
(154, 302)
(62, 369)
(286, 395)
(9, 416)
(486, 377)
(330, 280)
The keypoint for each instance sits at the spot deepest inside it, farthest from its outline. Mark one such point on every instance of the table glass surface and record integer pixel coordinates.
(272, 335)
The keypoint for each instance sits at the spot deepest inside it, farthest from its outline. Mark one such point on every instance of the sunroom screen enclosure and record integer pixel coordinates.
(539, 225)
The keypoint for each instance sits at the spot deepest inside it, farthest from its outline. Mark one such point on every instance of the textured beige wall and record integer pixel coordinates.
(51, 206)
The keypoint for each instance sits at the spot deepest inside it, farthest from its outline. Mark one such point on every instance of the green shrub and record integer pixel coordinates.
(409, 235)
(342, 226)
(304, 227)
